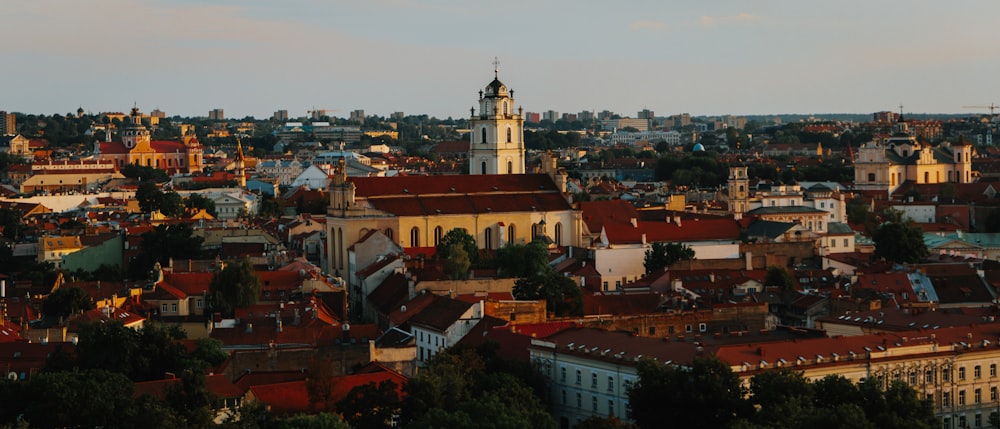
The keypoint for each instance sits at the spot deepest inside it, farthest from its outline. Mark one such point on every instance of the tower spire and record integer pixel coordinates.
(496, 68)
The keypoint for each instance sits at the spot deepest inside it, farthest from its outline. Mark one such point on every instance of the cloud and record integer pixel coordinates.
(707, 21)
(650, 26)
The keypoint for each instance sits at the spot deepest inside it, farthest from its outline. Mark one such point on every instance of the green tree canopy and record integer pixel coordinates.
(234, 286)
(899, 240)
(780, 277)
(371, 406)
(662, 255)
(162, 243)
(704, 394)
(66, 301)
(461, 237)
(522, 260)
(561, 294)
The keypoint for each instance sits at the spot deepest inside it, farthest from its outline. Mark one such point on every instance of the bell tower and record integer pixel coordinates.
(739, 191)
(496, 143)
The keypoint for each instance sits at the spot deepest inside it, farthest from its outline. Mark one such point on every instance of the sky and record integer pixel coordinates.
(252, 57)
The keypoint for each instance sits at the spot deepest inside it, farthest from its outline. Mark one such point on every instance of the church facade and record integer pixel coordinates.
(503, 206)
(137, 148)
(885, 165)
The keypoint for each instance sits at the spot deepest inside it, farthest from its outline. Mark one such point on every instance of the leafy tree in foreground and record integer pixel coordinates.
(898, 240)
(662, 255)
(779, 276)
(66, 301)
(522, 260)
(457, 265)
(371, 406)
(561, 294)
(704, 394)
(462, 238)
(234, 286)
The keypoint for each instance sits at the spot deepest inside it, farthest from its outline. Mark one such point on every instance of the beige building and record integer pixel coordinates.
(52, 249)
(901, 158)
(497, 203)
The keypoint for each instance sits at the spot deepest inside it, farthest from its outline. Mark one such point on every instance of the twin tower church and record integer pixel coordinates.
(498, 202)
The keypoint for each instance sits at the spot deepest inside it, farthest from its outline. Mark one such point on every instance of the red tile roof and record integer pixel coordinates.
(598, 213)
(292, 397)
(690, 230)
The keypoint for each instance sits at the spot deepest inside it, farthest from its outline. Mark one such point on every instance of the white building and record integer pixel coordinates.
(443, 324)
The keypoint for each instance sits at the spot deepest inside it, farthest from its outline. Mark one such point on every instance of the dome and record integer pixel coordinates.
(496, 88)
(698, 147)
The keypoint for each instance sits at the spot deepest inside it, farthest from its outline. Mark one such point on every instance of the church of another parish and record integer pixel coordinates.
(137, 148)
(498, 202)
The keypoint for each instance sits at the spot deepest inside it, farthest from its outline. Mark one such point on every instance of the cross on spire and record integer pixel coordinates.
(496, 67)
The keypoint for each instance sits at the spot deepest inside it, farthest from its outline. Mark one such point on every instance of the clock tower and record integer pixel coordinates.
(496, 143)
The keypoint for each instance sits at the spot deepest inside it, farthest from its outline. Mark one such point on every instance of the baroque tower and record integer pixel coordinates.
(135, 134)
(739, 191)
(496, 143)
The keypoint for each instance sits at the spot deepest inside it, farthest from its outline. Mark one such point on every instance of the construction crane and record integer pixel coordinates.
(993, 107)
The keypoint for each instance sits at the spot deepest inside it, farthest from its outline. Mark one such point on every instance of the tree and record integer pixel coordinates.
(171, 204)
(898, 240)
(86, 398)
(313, 421)
(198, 202)
(162, 243)
(779, 276)
(191, 400)
(371, 406)
(457, 265)
(561, 294)
(522, 260)
(66, 301)
(662, 255)
(857, 210)
(704, 394)
(610, 422)
(148, 195)
(461, 237)
(234, 286)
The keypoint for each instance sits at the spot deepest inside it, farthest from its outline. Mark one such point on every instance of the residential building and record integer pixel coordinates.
(443, 324)
(8, 124)
(216, 115)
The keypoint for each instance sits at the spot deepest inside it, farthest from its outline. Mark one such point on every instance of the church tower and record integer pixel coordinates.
(241, 172)
(739, 191)
(496, 143)
(135, 134)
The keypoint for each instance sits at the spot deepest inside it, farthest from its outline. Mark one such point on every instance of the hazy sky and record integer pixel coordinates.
(252, 57)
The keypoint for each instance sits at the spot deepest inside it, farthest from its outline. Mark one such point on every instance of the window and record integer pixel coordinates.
(510, 166)
(978, 396)
(173, 308)
(562, 370)
(593, 380)
(929, 376)
(558, 233)
(961, 421)
(687, 328)
(200, 303)
(978, 420)
(483, 139)
(652, 330)
(993, 394)
(871, 177)
(702, 327)
(845, 242)
(579, 400)
(579, 377)
(511, 233)
(388, 233)
(611, 383)
(438, 233)
(913, 378)
(993, 370)
(593, 401)
(977, 371)
(415, 237)
(946, 399)
(611, 407)
(961, 397)
(484, 167)
(508, 135)
(605, 285)
(488, 238)
(163, 308)
(564, 397)
(945, 375)
(961, 373)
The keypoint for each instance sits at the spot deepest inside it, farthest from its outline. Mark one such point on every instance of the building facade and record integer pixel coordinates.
(901, 158)
(497, 133)
(137, 148)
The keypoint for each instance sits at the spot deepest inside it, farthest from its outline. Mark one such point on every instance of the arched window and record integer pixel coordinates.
(438, 233)
(927, 177)
(558, 233)
(510, 167)
(505, 111)
(511, 234)
(508, 135)
(488, 238)
(484, 167)
(340, 248)
(415, 237)
(484, 136)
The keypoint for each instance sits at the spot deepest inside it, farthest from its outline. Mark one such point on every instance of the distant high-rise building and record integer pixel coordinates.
(618, 124)
(680, 120)
(569, 117)
(397, 116)
(157, 113)
(645, 114)
(358, 115)
(585, 116)
(886, 117)
(550, 115)
(280, 115)
(8, 125)
(318, 114)
(533, 117)
(216, 115)
(605, 114)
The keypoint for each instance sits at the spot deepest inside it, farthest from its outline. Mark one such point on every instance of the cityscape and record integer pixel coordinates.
(590, 216)
(320, 267)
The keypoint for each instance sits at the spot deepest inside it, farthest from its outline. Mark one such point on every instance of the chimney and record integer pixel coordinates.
(748, 256)
(678, 220)
(635, 223)
(711, 277)
(411, 287)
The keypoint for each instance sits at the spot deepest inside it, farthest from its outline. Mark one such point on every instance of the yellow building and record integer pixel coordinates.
(901, 158)
(496, 209)
(954, 368)
(137, 148)
(52, 249)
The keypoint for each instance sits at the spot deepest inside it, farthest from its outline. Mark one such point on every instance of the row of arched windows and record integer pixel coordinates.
(510, 135)
(488, 240)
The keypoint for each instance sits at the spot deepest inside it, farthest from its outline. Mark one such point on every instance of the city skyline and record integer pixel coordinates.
(422, 57)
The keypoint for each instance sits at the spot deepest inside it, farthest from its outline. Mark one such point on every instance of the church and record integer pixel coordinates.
(498, 202)
(885, 165)
(137, 148)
